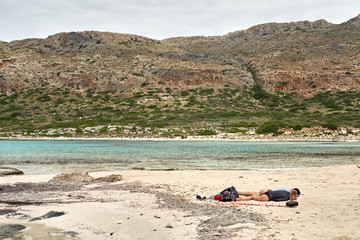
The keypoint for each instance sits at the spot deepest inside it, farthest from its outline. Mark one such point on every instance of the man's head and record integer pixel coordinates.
(297, 190)
(293, 195)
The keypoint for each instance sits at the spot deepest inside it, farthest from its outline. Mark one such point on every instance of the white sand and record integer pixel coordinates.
(329, 210)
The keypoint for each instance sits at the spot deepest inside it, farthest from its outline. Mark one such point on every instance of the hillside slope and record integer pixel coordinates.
(269, 79)
(304, 57)
(103, 61)
(301, 56)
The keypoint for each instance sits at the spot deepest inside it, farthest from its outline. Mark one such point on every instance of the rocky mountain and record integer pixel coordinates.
(354, 21)
(304, 57)
(111, 62)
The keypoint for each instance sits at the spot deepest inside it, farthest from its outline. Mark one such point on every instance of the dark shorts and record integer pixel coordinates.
(278, 196)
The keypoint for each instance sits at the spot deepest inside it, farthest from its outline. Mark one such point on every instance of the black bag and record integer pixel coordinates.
(292, 203)
(228, 194)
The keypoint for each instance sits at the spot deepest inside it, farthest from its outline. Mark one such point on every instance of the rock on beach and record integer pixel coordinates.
(73, 177)
(110, 178)
(10, 171)
(84, 177)
(50, 214)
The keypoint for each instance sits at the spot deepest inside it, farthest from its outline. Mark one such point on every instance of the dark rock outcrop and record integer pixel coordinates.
(50, 214)
(10, 171)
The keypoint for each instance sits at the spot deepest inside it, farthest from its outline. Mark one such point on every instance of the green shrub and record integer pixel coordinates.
(79, 131)
(3, 101)
(13, 97)
(11, 116)
(330, 103)
(60, 101)
(244, 124)
(107, 108)
(192, 101)
(205, 92)
(152, 106)
(268, 127)
(103, 130)
(259, 93)
(330, 125)
(232, 130)
(168, 90)
(44, 98)
(206, 133)
(184, 93)
(11, 108)
(158, 124)
(297, 127)
(252, 71)
(106, 98)
(89, 93)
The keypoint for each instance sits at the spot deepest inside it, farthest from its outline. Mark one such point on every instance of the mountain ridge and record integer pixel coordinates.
(302, 56)
(306, 24)
(353, 21)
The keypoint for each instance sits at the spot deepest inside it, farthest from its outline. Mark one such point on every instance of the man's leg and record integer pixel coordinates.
(255, 197)
(262, 191)
(245, 193)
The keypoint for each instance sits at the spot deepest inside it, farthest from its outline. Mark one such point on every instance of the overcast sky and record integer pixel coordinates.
(160, 19)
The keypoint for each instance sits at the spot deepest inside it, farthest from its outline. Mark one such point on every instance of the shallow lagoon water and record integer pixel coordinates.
(43, 157)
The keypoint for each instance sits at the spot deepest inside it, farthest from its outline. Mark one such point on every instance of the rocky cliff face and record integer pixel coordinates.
(305, 57)
(111, 62)
(271, 28)
(354, 21)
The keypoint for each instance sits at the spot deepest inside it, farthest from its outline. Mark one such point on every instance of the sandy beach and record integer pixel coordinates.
(310, 135)
(162, 205)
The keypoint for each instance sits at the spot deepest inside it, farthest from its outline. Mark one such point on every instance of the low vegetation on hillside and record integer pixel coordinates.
(171, 112)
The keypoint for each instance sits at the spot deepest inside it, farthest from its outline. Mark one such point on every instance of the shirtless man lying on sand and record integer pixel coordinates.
(280, 194)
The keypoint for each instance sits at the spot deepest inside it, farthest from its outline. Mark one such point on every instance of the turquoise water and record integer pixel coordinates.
(41, 157)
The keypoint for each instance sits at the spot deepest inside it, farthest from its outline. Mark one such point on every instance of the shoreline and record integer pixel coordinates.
(162, 205)
(232, 139)
(314, 134)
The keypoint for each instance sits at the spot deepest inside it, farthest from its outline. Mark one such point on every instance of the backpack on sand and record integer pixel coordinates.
(227, 195)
